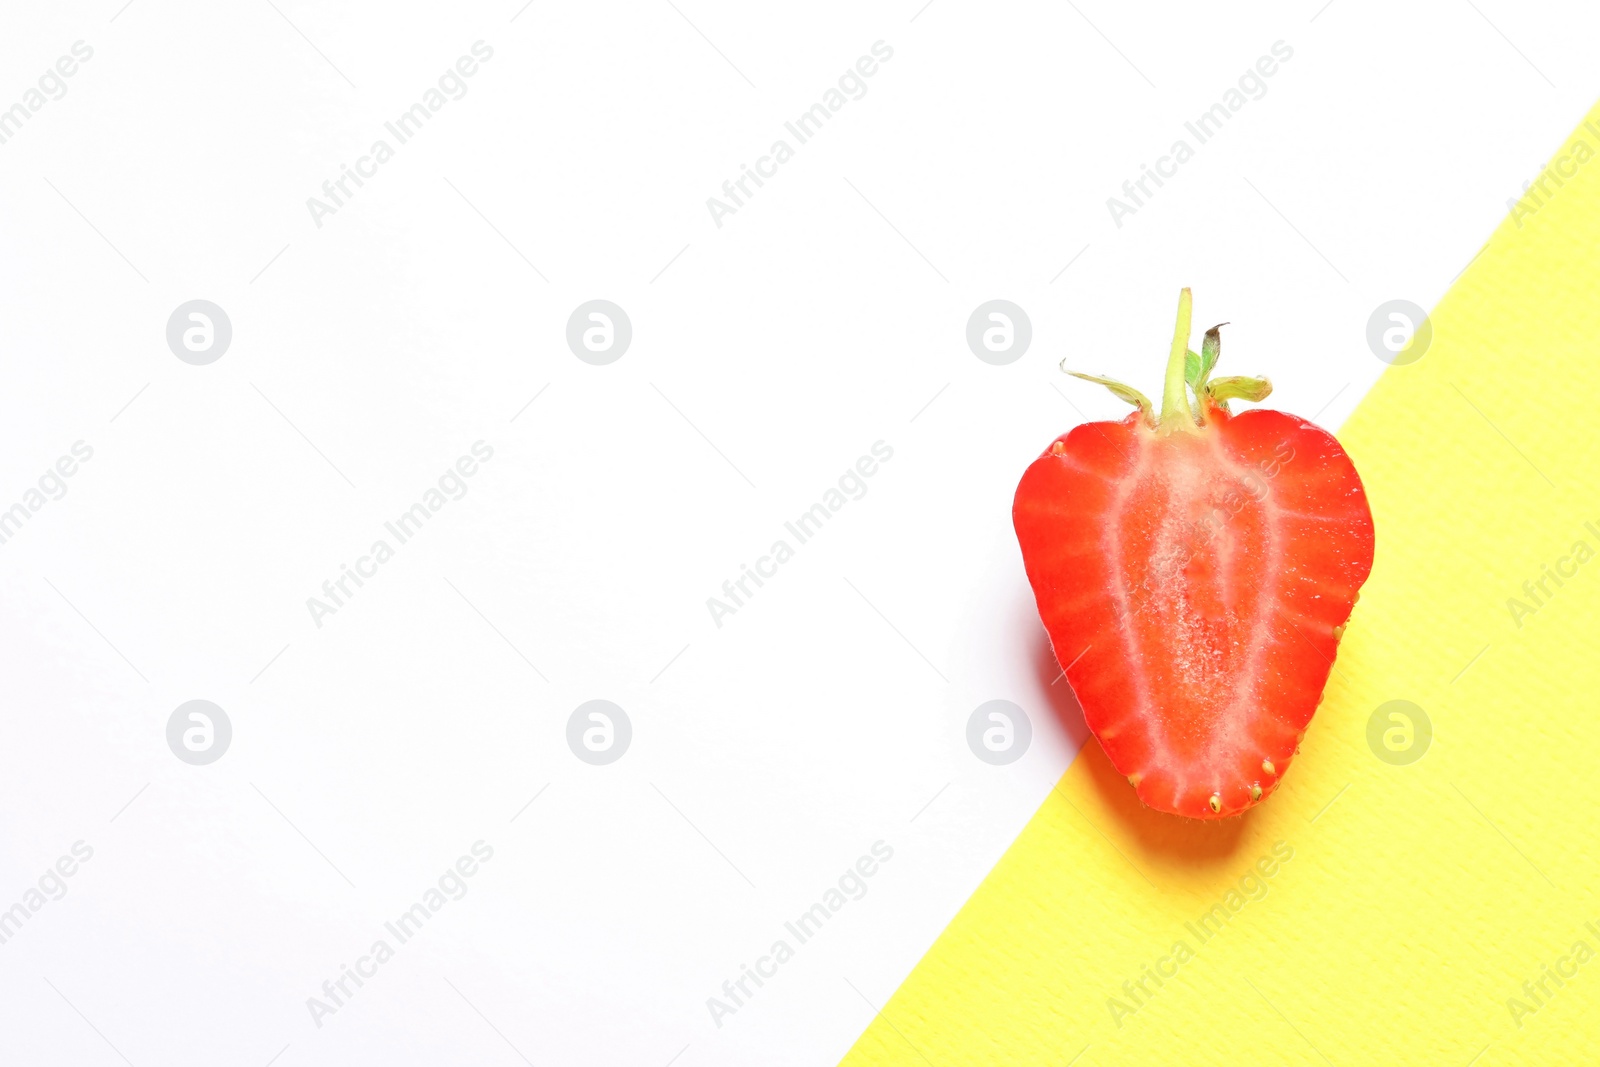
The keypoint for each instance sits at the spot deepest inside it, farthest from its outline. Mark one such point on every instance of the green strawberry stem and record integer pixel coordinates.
(1186, 370)
(1175, 413)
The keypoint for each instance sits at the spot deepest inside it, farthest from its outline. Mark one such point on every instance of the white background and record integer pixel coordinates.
(826, 314)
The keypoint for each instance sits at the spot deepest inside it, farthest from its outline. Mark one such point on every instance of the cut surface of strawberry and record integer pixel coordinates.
(1195, 572)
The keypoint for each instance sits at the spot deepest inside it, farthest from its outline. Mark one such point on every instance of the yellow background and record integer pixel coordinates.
(1419, 898)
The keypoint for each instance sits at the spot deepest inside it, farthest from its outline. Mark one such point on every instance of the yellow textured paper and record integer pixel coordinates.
(1418, 898)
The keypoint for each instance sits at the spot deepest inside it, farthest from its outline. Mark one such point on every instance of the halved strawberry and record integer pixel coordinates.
(1195, 573)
